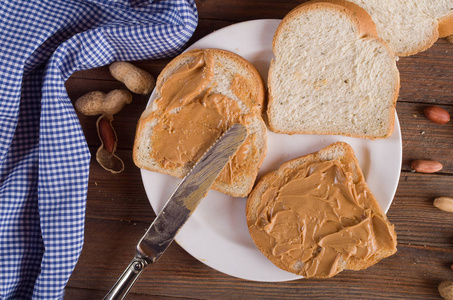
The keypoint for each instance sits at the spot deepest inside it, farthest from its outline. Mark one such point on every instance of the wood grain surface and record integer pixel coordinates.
(118, 211)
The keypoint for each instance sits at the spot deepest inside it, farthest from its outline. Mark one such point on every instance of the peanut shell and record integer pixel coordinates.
(136, 80)
(105, 155)
(445, 289)
(99, 103)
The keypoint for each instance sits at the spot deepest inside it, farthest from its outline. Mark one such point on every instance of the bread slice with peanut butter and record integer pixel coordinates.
(199, 95)
(316, 216)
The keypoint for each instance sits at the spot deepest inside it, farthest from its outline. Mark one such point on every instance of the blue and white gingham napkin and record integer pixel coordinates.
(44, 159)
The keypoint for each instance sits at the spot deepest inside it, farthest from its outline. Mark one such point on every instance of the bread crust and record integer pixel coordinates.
(327, 153)
(359, 15)
(245, 64)
(445, 26)
(443, 29)
(257, 128)
(367, 30)
(432, 39)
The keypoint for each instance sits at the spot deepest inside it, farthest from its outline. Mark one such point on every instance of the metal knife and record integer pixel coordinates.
(179, 207)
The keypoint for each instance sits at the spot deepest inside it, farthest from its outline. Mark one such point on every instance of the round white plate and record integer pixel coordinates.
(217, 232)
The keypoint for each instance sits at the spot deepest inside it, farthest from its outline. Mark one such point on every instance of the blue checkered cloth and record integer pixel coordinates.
(44, 158)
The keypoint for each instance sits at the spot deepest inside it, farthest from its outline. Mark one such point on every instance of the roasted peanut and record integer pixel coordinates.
(107, 134)
(136, 80)
(446, 290)
(437, 114)
(99, 103)
(444, 203)
(426, 166)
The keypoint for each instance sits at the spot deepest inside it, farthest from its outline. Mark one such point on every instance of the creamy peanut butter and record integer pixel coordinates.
(316, 219)
(191, 119)
(187, 82)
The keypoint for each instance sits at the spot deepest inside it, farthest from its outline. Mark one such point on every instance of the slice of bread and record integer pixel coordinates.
(246, 93)
(331, 74)
(410, 26)
(316, 216)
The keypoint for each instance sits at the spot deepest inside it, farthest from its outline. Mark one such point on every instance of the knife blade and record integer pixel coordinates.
(179, 208)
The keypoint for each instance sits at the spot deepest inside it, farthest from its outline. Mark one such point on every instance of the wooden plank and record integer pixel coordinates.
(423, 139)
(427, 77)
(87, 294)
(117, 196)
(236, 10)
(417, 221)
(109, 247)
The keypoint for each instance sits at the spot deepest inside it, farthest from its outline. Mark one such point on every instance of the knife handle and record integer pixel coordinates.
(127, 280)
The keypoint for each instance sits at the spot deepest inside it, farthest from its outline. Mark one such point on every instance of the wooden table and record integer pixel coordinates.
(118, 211)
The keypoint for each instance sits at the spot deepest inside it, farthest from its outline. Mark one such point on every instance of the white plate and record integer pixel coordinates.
(217, 233)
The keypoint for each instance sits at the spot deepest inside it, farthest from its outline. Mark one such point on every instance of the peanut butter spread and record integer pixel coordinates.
(191, 118)
(317, 219)
(187, 82)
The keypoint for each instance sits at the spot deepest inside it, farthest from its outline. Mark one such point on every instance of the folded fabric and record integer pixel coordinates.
(44, 159)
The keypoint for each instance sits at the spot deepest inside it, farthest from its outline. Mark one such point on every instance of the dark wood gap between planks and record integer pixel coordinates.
(95, 217)
(440, 173)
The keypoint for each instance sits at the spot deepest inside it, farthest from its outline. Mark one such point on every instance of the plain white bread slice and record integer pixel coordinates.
(269, 235)
(331, 74)
(410, 26)
(250, 99)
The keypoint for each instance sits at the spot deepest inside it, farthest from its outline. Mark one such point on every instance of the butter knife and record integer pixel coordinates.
(179, 207)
